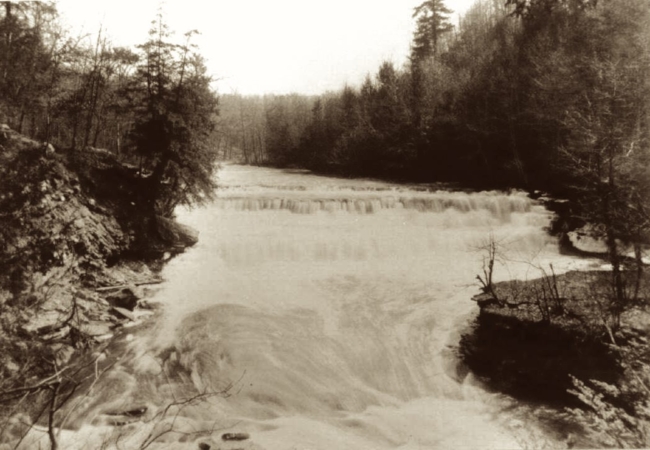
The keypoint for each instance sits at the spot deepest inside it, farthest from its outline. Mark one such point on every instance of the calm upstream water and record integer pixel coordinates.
(329, 310)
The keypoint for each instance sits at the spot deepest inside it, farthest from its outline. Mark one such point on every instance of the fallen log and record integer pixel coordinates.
(122, 286)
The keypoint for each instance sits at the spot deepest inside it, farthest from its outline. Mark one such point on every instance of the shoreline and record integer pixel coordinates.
(81, 261)
(96, 305)
(543, 337)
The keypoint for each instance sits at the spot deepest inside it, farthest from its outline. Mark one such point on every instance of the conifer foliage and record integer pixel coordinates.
(174, 123)
(432, 22)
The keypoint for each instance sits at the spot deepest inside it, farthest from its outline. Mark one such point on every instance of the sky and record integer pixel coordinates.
(269, 46)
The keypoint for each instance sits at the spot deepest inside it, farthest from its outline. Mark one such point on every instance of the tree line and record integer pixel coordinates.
(549, 95)
(151, 106)
(500, 99)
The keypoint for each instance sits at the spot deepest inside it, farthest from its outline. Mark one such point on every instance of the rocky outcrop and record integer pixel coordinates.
(72, 241)
(529, 340)
(175, 235)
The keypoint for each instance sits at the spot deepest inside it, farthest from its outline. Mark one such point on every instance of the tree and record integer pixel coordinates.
(602, 72)
(176, 117)
(432, 21)
(25, 59)
(533, 9)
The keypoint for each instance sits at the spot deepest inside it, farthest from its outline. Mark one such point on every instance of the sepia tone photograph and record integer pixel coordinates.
(302, 225)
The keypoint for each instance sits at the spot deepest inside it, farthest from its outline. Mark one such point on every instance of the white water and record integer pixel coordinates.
(331, 307)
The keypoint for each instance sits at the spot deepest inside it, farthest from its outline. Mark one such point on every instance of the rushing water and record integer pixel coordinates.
(328, 310)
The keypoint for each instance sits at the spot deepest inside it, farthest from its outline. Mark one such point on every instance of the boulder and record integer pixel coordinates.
(120, 418)
(174, 234)
(94, 328)
(43, 324)
(125, 297)
(90, 297)
(63, 355)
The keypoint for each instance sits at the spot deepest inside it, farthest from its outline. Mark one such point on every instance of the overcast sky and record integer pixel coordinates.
(270, 46)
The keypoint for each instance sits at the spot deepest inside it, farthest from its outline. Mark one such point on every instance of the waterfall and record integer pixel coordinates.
(329, 309)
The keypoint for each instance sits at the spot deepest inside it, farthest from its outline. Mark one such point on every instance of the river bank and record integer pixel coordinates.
(313, 312)
(78, 262)
(555, 341)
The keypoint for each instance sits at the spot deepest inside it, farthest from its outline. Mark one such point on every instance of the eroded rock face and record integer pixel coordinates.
(72, 240)
(176, 235)
(47, 222)
(57, 238)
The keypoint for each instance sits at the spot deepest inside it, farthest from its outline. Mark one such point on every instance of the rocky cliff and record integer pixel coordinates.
(77, 253)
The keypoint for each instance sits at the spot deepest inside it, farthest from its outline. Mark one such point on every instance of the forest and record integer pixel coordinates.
(521, 93)
(548, 95)
(152, 106)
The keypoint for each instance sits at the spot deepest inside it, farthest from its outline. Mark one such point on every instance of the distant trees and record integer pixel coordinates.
(263, 129)
(286, 118)
(493, 106)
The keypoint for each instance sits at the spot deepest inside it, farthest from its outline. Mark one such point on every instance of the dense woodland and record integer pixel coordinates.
(151, 106)
(511, 96)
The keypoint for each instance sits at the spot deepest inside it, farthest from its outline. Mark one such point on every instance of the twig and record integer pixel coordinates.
(46, 383)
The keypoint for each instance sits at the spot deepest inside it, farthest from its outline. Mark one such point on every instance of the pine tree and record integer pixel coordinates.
(432, 21)
(176, 117)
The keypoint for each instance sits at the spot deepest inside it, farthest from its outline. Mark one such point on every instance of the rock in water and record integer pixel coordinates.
(485, 300)
(235, 436)
(136, 412)
(175, 234)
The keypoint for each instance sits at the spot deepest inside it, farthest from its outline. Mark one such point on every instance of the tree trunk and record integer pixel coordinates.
(638, 257)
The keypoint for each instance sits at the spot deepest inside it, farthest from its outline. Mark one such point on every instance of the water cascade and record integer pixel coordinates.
(328, 310)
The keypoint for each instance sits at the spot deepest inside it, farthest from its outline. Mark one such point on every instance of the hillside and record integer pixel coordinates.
(77, 254)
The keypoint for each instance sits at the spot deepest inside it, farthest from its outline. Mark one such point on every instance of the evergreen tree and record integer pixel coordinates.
(432, 21)
(174, 122)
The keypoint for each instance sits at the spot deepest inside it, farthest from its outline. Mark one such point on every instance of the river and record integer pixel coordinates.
(327, 312)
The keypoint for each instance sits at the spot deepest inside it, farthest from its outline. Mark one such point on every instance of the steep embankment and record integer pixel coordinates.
(563, 341)
(73, 241)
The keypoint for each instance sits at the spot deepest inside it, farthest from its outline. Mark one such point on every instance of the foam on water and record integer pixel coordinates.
(329, 310)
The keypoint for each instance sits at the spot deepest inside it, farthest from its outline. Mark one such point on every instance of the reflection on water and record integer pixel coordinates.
(328, 309)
